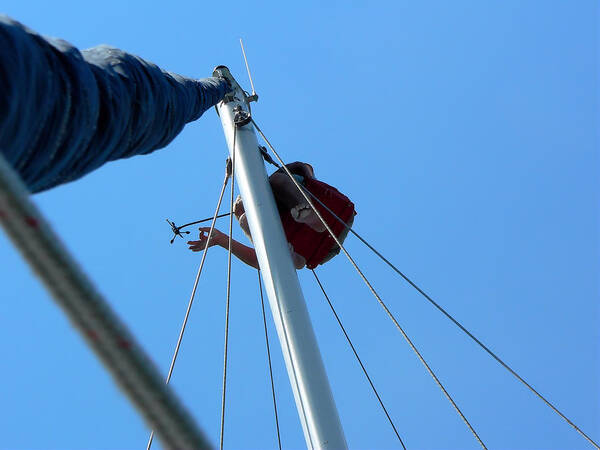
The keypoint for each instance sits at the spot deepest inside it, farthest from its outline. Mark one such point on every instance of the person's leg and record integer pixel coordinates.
(285, 190)
(240, 214)
(288, 195)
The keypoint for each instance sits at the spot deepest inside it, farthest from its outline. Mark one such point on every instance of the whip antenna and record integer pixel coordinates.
(254, 96)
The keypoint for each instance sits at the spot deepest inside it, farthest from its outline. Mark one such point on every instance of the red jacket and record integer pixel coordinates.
(312, 245)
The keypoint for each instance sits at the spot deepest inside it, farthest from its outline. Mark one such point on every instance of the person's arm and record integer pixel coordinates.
(242, 252)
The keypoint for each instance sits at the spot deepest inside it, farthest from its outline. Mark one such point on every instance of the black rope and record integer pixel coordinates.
(262, 303)
(358, 358)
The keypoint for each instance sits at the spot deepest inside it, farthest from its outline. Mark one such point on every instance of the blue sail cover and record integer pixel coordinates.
(64, 113)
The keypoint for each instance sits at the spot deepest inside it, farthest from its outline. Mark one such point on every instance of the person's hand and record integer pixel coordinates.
(217, 238)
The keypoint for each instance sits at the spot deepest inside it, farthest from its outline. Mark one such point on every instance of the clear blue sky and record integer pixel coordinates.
(466, 132)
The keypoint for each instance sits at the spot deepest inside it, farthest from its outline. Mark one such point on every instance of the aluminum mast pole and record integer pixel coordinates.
(314, 400)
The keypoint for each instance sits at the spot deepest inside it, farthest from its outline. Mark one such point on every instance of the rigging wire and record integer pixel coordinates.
(228, 293)
(458, 324)
(262, 303)
(191, 301)
(372, 289)
(358, 358)
(455, 321)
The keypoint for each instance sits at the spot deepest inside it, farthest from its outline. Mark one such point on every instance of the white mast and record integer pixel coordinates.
(314, 400)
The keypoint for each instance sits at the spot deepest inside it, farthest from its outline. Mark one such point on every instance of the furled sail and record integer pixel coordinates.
(64, 113)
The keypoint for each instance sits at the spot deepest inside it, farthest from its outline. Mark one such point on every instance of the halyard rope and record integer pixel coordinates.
(87, 310)
(222, 436)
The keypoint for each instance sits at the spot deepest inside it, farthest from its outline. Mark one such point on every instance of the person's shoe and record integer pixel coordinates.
(304, 214)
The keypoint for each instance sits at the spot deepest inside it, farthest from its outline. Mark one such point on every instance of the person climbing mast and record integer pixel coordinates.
(309, 241)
